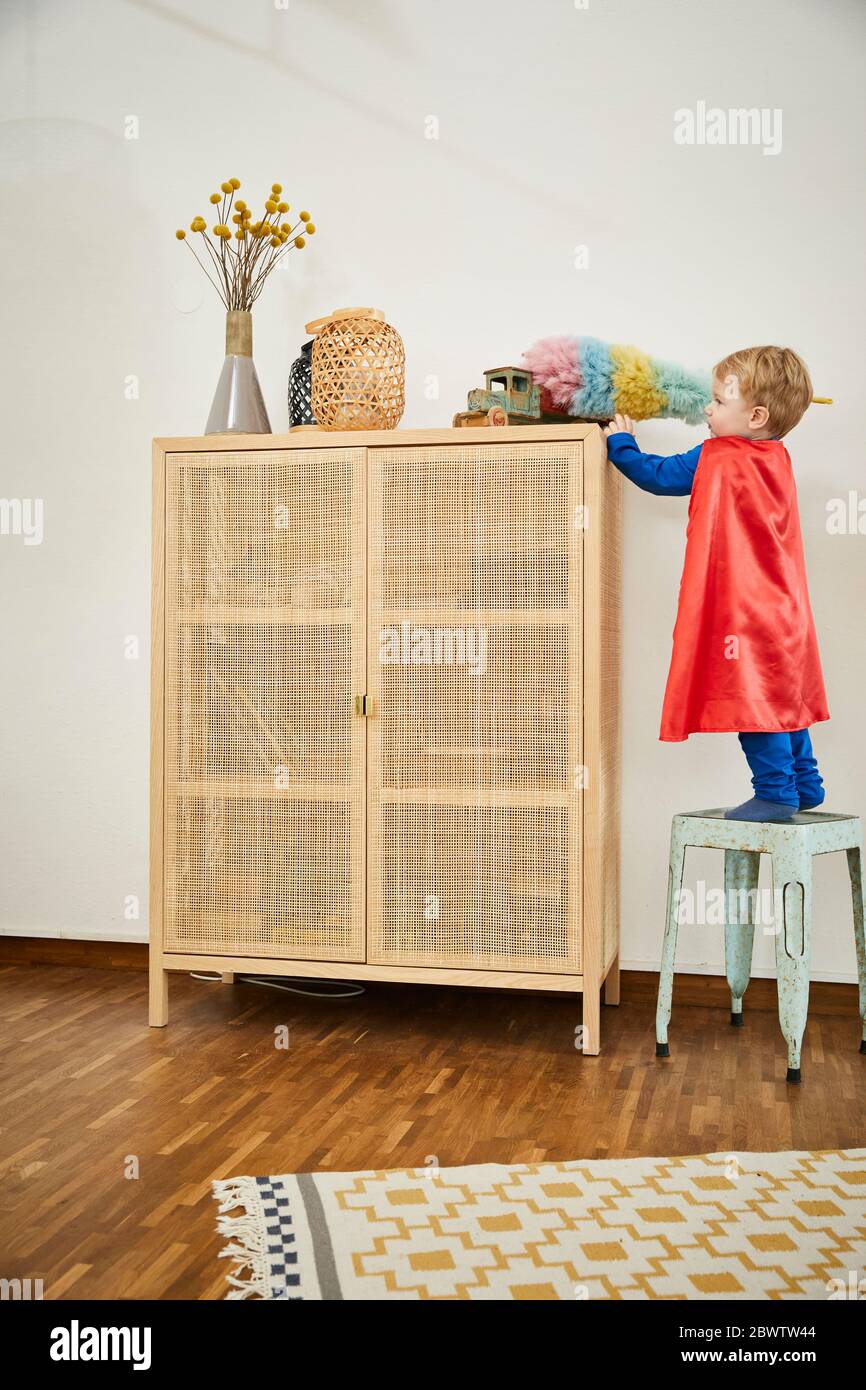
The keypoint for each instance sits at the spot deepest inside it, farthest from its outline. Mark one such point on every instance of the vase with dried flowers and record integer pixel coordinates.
(237, 257)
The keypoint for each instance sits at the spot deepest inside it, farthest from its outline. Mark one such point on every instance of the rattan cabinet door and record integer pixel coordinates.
(265, 637)
(474, 740)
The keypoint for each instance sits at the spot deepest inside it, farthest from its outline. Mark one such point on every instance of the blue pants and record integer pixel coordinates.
(783, 767)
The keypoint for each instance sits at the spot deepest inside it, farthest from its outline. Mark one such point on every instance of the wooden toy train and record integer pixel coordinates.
(509, 397)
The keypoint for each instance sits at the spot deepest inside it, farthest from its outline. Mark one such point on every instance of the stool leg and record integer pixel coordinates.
(669, 947)
(855, 869)
(741, 882)
(792, 877)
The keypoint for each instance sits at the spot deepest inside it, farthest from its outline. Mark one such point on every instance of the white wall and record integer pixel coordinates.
(555, 129)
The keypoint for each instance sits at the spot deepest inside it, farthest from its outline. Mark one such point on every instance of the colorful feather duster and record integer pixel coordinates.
(594, 380)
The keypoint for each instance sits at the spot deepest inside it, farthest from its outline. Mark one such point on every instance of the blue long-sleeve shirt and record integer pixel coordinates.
(666, 477)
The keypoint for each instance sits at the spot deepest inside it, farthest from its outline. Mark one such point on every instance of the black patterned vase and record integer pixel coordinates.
(300, 410)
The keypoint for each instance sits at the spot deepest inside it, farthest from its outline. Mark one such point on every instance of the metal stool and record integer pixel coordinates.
(791, 845)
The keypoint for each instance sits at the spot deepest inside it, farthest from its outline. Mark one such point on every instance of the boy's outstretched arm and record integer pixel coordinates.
(666, 477)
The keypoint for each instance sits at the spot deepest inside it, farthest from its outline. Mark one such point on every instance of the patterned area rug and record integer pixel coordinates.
(728, 1226)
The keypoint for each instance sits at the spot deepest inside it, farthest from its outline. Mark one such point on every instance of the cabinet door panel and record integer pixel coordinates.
(474, 671)
(265, 650)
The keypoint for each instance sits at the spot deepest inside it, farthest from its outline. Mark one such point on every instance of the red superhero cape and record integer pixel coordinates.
(745, 655)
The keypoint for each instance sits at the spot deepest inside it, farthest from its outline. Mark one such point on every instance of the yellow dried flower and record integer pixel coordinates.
(236, 265)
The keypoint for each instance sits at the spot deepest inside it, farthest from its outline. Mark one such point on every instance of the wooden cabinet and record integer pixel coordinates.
(386, 709)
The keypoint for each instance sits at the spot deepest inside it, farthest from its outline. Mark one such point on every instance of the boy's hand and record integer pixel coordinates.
(620, 424)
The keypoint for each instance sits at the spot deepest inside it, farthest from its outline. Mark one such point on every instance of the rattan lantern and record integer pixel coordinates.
(300, 385)
(358, 371)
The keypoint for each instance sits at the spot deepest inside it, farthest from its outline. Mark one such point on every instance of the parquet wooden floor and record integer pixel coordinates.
(110, 1132)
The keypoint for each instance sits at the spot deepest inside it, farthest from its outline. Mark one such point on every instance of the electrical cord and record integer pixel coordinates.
(351, 993)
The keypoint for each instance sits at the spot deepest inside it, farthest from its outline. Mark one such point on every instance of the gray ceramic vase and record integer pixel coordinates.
(238, 405)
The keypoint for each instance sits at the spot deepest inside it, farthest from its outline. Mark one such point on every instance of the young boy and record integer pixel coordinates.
(745, 655)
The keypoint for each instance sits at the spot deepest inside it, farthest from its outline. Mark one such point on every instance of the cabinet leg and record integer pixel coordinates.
(158, 997)
(611, 984)
(592, 1021)
(228, 977)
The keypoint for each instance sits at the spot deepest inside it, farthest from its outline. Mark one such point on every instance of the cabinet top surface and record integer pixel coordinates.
(380, 439)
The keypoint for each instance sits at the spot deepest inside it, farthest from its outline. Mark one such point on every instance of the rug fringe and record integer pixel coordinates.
(245, 1234)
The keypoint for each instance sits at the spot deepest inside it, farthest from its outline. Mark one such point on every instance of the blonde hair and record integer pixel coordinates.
(774, 377)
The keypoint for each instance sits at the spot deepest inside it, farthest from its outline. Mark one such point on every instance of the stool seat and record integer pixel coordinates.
(791, 845)
(798, 818)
